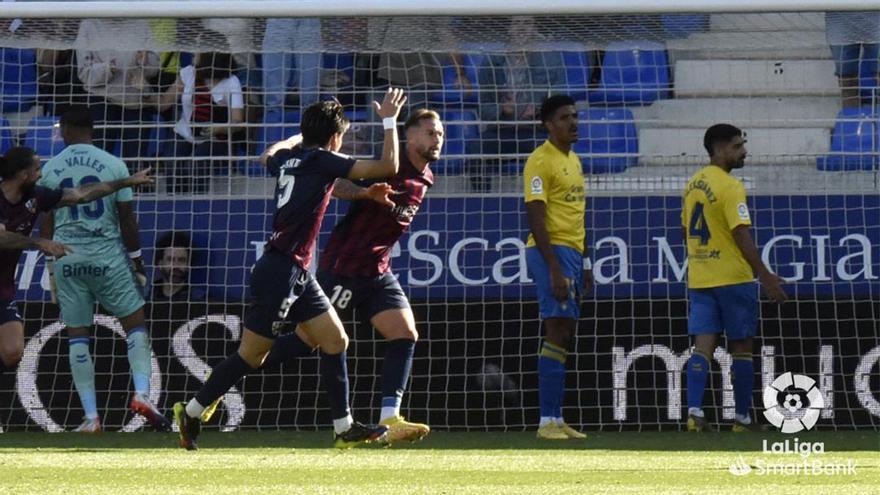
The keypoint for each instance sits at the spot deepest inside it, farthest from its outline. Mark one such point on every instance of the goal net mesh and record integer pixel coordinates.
(165, 94)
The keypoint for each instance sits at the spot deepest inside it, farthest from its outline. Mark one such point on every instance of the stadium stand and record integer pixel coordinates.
(604, 133)
(461, 126)
(633, 73)
(6, 141)
(18, 80)
(42, 136)
(853, 142)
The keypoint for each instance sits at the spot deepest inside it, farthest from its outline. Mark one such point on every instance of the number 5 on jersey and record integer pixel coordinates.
(285, 182)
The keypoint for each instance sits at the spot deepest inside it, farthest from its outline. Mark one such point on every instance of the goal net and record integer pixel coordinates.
(199, 98)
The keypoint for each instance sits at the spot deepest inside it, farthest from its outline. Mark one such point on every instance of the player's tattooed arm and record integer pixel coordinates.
(87, 193)
(14, 240)
(349, 191)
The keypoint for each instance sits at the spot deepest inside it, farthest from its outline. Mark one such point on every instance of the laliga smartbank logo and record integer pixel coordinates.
(792, 403)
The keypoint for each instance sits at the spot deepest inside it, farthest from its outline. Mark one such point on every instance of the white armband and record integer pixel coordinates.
(389, 123)
(588, 265)
(135, 254)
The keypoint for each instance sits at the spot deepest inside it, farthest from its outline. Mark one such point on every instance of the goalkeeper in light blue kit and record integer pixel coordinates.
(98, 270)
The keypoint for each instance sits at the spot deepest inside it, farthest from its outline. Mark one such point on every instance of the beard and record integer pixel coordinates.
(28, 189)
(430, 155)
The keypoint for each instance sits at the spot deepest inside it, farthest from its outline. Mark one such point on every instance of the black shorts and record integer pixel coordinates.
(9, 312)
(367, 296)
(282, 295)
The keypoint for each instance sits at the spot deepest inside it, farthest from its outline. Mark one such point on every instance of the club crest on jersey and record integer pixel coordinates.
(31, 205)
(537, 185)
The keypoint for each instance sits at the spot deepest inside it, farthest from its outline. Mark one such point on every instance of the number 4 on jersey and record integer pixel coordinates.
(698, 226)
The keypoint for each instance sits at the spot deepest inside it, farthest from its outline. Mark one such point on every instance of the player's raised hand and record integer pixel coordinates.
(52, 248)
(380, 193)
(391, 104)
(141, 177)
(772, 284)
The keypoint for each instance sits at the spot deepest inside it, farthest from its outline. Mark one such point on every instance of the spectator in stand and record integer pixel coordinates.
(514, 85)
(854, 38)
(291, 57)
(118, 81)
(174, 256)
(59, 85)
(212, 111)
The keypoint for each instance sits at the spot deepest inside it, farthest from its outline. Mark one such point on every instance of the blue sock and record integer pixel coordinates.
(83, 370)
(139, 353)
(743, 378)
(395, 374)
(289, 346)
(551, 379)
(334, 376)
(223, 377)
(697, 375)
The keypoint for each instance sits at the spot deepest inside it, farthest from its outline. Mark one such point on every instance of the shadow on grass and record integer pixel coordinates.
(615, 441)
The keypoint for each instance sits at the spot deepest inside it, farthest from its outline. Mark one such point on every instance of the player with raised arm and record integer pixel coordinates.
(556, 254)
(355, 266)
(282, 291)
(21, 201)
(99, 270)
(723, 262)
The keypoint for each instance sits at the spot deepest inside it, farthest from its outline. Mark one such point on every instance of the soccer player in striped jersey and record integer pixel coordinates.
(284, 293)
(723, 262)
(21, 201)
(355, 266)
(556, 254)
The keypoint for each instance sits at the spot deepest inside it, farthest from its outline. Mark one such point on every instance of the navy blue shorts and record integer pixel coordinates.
(9, 312)
(365, 296)
(731, 309)
(282, 295)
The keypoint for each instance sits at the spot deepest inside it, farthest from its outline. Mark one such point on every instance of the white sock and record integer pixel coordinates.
(746, 420)
(696, 411)
(342, 425)
(194, 409)
(389, 412)
(545, 420)
(559, 421)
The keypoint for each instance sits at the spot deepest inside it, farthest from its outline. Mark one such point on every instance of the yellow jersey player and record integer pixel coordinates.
(555, 254)
(723, 262)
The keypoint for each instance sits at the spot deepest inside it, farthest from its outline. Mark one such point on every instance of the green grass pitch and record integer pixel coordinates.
(445, 463)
